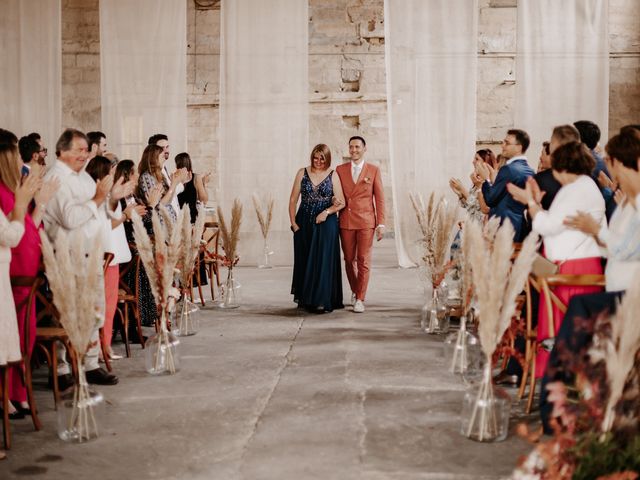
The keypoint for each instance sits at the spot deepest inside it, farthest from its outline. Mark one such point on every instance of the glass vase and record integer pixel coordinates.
(230, 293)
(80, 411)
(434, 317)
(161, 351)
(462, 352)
(266, 253)
(485, 411)
(187, 318)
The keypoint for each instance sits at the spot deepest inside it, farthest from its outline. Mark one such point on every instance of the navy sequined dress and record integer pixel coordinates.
(317, 273)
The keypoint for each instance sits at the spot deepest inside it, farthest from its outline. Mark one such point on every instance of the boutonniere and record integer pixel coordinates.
(367, 180)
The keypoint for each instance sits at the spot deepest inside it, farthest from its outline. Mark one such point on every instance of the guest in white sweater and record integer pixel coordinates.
(574, 251)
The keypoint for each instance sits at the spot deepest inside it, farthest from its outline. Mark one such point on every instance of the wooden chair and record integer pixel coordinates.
(47, 338)
(33, 283)
(6, 426)
(129, 300)
(211, 237)
(544, 286)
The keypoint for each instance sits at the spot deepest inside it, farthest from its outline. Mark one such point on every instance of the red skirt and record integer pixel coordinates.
(579, 266)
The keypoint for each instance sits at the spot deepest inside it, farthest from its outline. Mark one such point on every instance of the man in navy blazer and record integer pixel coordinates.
(516, 170)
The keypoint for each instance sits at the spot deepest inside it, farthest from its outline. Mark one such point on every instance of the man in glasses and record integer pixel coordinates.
(29, 152)
(516, 170)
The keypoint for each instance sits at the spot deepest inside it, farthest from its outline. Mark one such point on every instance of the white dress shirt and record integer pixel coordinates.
(560, 241)
(356, 170)
(72, 207)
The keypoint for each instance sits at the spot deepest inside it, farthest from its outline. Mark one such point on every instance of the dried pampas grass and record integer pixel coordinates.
(264, 216)
(437, 222)
(231, 237)
(619, 351)
(159, 256)
(496, 281)
(74, 279)
(466, 279)
(191, 237)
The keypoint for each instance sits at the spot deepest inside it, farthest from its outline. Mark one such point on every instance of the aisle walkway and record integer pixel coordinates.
(266, 392)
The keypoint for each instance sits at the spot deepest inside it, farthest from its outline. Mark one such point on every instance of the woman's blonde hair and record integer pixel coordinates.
(10, 162)
(324, 152)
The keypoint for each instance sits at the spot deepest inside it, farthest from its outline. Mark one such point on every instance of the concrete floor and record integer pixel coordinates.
(268, 392)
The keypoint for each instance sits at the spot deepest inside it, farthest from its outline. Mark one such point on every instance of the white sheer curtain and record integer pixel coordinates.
(263, 113)
(562, 66)
(143, 54)
(431, 61)
(30, 55)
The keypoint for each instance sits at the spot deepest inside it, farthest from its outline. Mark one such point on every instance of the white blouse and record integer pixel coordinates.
(10, 235)
(118, 240)
(622, 240)
(560, 241)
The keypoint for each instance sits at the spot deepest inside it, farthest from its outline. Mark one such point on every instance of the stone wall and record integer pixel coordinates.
(347, 90)
(81, 64)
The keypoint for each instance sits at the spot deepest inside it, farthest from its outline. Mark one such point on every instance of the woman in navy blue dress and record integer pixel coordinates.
(317, 271)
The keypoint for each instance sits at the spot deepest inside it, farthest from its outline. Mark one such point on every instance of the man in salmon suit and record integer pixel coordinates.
(361, 219)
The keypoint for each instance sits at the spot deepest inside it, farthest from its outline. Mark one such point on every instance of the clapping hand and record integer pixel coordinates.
(120, 189)
(619, 197)
(531, 192)
(475, 179)
(584, 222)
(182, 175)
(605, 181)
(103, 187)
(458, 189)
(26, 190)
(154, 195)
(47, 191)
(482, 170)
(134, 207)
(205, 178)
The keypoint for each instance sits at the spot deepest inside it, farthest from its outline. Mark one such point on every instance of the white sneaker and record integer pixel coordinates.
(358, 307)
(353, 298)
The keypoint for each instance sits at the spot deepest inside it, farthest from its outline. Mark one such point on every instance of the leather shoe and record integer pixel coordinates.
(23, 410)
(503, 378)
(64, 382)
(17, 415)
(99, 376)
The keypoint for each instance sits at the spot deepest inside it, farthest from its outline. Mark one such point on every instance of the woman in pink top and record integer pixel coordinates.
(26, 256)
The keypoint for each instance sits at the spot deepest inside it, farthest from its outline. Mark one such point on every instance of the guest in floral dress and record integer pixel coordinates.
(471, 199)
(151, 175)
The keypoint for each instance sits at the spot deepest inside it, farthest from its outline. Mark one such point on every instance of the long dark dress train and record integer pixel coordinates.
(317, 271)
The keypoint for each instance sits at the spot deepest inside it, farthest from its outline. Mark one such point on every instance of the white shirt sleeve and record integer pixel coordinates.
(10, 232)
(68, 211)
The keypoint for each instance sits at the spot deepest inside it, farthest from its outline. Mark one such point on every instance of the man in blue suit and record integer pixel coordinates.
(516, 170)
